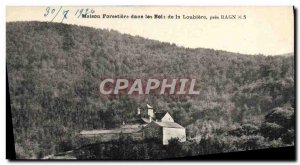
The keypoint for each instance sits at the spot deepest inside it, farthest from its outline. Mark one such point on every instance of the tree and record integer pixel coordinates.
(174, 148)
(279, 123)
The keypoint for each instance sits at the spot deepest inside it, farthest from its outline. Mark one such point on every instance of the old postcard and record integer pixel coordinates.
(149, 83)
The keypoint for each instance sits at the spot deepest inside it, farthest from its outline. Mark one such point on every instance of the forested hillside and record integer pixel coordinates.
(54, 70)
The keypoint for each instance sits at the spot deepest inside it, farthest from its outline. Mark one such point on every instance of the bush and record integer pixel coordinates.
(282, 116)
(289, 137)
(272, 130)
(246, 129)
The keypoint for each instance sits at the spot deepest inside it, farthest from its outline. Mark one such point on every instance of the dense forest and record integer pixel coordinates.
(245, 101)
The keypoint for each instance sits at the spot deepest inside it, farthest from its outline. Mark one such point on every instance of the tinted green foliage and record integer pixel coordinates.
(54, 70)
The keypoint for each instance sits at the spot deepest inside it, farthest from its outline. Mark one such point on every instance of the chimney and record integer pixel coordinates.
(138, 111)
(150, 111)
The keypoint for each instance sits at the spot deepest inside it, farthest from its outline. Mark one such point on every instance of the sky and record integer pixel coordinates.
(266, 30)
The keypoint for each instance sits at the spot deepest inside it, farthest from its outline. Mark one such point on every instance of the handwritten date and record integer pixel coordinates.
(61, 13)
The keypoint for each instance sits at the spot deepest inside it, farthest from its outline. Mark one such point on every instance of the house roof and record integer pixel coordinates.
(148, 106)
(160, 115)
(145, 120)
(138, 121)
(169, 124)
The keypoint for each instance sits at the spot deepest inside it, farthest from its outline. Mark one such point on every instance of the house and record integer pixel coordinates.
(163, 117)
(147, 124)
(162, 127)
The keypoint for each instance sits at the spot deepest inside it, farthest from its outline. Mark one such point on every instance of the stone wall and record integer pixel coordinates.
(169, 133)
